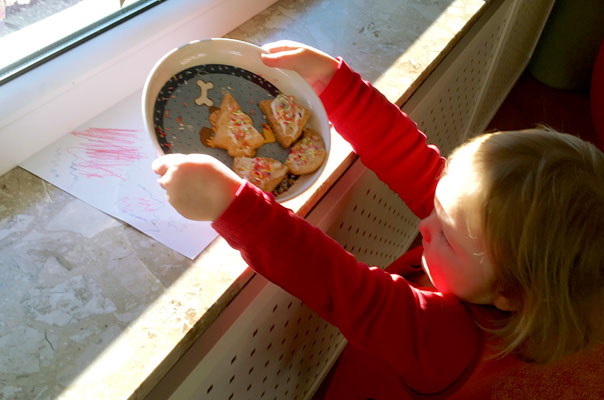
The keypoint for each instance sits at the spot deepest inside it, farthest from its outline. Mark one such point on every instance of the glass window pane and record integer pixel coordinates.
(32, 31)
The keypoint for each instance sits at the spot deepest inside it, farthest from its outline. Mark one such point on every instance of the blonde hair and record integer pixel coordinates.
(543, 221)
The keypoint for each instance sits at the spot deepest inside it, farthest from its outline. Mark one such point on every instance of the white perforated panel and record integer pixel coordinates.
(366, 218)
(267, 345)
(276, 348)
(444, 105)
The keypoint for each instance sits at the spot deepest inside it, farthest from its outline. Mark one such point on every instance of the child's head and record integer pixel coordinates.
(538, 197)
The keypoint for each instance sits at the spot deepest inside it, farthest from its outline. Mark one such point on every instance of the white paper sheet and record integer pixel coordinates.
(107, 164)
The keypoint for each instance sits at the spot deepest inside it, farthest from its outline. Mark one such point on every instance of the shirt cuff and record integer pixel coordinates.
(244, 211)
(329, 96)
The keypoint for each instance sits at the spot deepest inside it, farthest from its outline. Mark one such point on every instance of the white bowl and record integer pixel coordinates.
(233, 59)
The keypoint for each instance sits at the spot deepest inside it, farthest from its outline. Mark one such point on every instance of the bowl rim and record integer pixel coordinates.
(237, 48)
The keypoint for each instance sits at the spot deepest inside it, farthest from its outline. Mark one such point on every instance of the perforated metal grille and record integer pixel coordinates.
(444, 105)
(370, 220)
(277, 349)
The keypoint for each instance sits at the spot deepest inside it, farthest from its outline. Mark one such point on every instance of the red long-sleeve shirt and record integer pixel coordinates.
(404, 341)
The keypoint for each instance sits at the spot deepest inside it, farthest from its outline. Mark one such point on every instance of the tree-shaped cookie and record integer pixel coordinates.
(286, 117)
(233, 129)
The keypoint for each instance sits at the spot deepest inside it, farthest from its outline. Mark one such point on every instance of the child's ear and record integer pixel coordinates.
(503, 302)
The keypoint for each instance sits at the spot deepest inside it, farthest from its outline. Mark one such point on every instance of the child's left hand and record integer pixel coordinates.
(197, 185)
(314, 66)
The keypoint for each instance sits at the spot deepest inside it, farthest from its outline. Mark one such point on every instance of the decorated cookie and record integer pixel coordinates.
(266, 173)
(286, 117)
(307, 154)
(233, 129)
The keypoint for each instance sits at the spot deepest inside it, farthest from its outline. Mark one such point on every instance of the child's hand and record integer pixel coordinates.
(316, 67)
(197, 185)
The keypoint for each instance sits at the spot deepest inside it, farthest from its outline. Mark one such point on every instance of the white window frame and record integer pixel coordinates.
(43, 104)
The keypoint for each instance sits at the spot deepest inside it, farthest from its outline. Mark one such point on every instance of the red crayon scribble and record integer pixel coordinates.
(105, 152)
(135, 205)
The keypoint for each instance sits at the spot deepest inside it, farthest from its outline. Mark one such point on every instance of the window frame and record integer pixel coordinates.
(41, 105)
(55, 48)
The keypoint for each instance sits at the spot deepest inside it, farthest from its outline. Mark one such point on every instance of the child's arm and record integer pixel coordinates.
(429, 339)
(386, 139)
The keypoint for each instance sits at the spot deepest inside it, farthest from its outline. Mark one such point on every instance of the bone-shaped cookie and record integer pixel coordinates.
(203, 99)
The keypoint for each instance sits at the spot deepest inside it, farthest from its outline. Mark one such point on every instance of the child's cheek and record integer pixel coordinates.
(426, 266)
(427, 262)
(435, 264)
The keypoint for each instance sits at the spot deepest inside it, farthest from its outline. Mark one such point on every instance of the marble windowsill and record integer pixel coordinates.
(91, 308)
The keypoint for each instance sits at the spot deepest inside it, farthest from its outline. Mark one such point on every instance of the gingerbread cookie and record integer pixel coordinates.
(263, 172)
(307, 154)
(233, 129)
(286, 117)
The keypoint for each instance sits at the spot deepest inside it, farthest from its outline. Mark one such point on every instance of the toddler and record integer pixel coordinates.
(513, 245)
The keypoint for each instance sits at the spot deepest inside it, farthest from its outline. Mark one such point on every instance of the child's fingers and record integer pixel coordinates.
(160, 165)
(281, 45)
(167, 178)
(164, 179)
(165, 166)
(287, 59)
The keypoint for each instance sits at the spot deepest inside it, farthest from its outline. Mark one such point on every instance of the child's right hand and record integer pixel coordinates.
(198, 186)
(316, 67)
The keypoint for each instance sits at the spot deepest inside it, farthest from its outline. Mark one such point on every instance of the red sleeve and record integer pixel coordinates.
(428, 338)
(387, 141)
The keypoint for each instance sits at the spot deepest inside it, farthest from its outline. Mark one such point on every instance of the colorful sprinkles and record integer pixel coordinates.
(287, 112)
(285, 184)
(174, 107)
(169, 92)
(306, 148)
